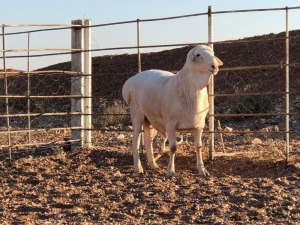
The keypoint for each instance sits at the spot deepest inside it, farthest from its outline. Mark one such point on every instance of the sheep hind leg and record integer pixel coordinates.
(198, 147)
(162, 150)
(173, 147)
(150, 133)
(137, 120)
(163, 146)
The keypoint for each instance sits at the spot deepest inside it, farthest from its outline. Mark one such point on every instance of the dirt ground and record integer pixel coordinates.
(98, 186)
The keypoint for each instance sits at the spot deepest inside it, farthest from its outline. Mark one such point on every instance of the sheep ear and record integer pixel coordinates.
(219, 61)
(191, 55)
(192, 58)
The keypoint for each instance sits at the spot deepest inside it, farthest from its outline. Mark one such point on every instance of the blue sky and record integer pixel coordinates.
(227, 26)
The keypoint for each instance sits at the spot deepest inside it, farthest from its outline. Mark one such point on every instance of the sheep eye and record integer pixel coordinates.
(198, 55)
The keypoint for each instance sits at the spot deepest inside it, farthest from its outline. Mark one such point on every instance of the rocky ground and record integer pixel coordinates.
(254, 185)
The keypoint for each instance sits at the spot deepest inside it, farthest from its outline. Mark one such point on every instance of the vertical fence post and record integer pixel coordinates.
(87, 85)
(138, 45)
(77, 83)
(139, 70)
(287, 87)
(28, 90)
(211, 124)
(6, 90)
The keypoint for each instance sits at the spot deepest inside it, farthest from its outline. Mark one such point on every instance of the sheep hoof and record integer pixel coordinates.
(171, 174)
(139, 171)
(203, 172)
(153, 165)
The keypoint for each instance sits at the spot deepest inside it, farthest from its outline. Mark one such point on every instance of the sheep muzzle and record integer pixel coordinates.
(215, 66)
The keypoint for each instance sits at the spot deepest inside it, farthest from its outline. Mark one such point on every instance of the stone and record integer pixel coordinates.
(228, 129)
(265, 129)
(121, 137)
(256, 141)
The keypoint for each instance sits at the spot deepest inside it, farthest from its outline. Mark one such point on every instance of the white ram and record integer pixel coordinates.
(165, 102)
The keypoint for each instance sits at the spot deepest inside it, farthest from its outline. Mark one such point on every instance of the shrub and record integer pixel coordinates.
(109, 110)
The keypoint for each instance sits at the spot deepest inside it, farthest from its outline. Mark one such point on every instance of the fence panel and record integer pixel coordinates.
(36, 106)
(251, 97)
(243, 97)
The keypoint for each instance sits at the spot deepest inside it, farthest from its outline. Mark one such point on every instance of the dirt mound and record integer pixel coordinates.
(110, 72)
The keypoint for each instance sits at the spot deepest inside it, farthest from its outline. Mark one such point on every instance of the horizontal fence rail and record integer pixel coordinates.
(154, 46)
(68, 26)
(33, 103)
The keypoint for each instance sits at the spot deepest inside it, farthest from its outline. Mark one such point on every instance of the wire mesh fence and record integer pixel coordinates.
(38, 107)
(250, 93)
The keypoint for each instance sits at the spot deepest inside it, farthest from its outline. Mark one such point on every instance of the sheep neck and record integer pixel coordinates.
(191, 89)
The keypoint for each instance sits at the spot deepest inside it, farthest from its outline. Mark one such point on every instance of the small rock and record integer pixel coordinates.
(118, 174)
(130, 128)
(270, 128)
(297, 165)
(265, 129)
(121, 137)
(141, 212)
(256, 141)
(228, 129)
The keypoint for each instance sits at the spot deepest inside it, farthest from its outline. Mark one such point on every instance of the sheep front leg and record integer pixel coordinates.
(172, 145)
(198, 147)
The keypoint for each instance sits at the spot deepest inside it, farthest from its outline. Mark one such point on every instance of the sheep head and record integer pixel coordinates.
(203, 59)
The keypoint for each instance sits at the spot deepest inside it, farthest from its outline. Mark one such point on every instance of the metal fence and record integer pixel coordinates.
(46, 107)
(30, 113)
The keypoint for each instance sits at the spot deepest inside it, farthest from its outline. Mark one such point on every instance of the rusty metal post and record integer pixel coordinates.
(211, 122)
(28, 90)
(138, 45)
(287, 87)
(139, 70)
(6, 88)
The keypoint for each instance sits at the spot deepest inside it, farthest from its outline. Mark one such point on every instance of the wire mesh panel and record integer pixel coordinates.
(45, 112)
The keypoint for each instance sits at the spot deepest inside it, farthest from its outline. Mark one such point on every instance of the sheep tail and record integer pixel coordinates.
(126, 97)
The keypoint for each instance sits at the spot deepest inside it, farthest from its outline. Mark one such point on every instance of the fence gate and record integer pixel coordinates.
(43, 108)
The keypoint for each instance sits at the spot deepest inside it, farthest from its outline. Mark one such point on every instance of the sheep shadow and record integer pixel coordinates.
(104, 158)
(239, 166)
(221, 166)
